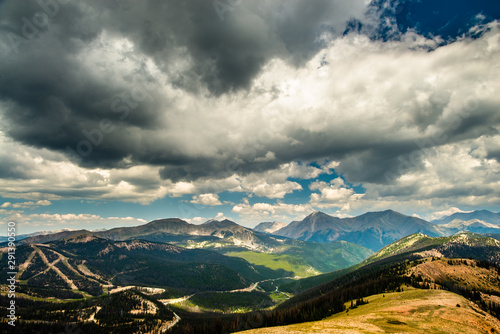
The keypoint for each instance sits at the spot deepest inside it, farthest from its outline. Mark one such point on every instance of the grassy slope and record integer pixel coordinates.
(411, 311)
(277, 261)
(308, 259)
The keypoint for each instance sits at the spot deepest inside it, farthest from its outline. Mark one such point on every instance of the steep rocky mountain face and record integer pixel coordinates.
(318, 227)
(269, 227)
(372, 230)
(481, 215)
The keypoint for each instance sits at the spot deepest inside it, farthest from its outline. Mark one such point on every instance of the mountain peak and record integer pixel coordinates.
(318, 214)
(388, 212)
(167, 221)
(81, 237)
(221, 223)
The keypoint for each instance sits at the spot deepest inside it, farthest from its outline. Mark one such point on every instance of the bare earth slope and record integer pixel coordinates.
(411, 311)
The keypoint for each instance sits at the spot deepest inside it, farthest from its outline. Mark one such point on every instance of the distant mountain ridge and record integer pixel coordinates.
(482, 215)
(174, 230)
(473, 225)
(372, 230)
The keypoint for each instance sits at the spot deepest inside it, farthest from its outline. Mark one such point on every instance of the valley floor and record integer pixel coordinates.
(410, 311)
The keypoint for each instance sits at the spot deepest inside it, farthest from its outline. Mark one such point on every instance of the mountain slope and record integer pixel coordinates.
(174, 230)
(269, 227)
(318, 227)
(306, 258)
(298, 258)
(50, 237)
(463, 244)
(377, 229)
(137, 313)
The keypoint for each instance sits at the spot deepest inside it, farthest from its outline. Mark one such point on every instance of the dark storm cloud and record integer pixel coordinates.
(367, 157)
(104, 82)
(51, 100)
(478, 119)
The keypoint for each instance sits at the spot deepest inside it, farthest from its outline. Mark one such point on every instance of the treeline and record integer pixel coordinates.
(474, 295)
(474, 263)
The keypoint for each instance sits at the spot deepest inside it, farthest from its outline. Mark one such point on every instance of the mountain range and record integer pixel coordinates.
(375, 230)
(174, 230)
(372, 230)
(298, 258)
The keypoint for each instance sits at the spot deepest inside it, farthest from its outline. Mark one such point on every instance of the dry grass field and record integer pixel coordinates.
(410, 311)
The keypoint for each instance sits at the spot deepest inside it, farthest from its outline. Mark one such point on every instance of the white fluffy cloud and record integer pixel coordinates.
(254, 213)
(333, 194)
(206, 199)
(25, 205)
(28, 223)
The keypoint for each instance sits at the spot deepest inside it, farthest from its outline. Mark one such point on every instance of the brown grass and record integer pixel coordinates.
(411, 311)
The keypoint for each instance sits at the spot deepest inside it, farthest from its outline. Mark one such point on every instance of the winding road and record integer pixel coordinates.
(252, 287)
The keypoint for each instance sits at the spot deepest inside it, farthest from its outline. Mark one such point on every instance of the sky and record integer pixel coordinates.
(116, 113)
